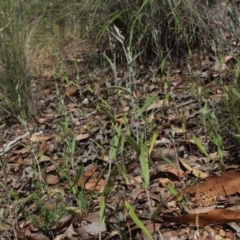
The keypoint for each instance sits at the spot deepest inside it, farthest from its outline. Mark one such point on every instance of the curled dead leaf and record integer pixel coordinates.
(216, 216)
(214, 187)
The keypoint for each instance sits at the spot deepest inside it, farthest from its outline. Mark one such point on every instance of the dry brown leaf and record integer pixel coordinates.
(21, 151)
(48, 90)
(126, 109)
(120, 121)
(216, 186)
(158, 154)
(134, 180)
(44, 158)
(43, 120)
(39, 138)
(91, 230)
(43, 147)
(88, 174)
(51, 168)
(65, 221)
(216, 216)
(17, 164)
(195, 172)
(68, 234)
(48, 118)
(82, 136)
(177, 172)
(150, 226)
(52, 179)
(177, 130)
(95, 227)
(214, 156)
(26, 229)
(164, 182)
(155, 105)
(200, 209)
(91, 184)
(151, 118)
(202, 139)
(71, 90)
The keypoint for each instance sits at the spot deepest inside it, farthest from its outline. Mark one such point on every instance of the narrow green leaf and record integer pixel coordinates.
(104, 103)
(137, 220)
(107, 189)
(169, 162)
(145, 106)
(79, 176)
(157, 211)
(122, 171)
(73, 146)
(109, 60)
(133, 144)
(153, 141)
(110, 182)
(118, 35)
(144, 162)
(236, 92)
(121, 148)
(199, 145)
(119, 88)
(166, 98)
(106, 112)
(116, 140)
(174, 192)
(102, 209)
(74, 213)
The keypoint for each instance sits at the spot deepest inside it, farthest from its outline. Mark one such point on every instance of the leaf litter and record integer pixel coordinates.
(183, 189)
(223, 185)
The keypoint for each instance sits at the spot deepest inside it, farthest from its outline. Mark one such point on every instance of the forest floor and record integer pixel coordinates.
(55, 167)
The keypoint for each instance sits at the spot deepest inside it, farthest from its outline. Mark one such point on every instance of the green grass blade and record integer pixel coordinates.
(174, 192)
(119, 88)
(153, 141)
(133, 144)
(107, 189)
(236, 92)
(169, 162)
(145, 106)
(137, 220)
(157, 211)
(123, 172)
(144, 162)
(199, 145)
(110, 182)
(116, 140)
(102, 210)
